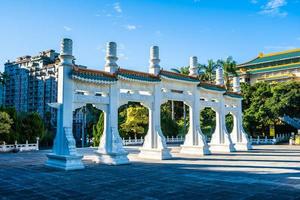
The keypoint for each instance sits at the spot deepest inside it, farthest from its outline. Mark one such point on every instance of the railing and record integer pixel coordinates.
(295, 122)
(278, 138)
(136, 141)
(21, 147)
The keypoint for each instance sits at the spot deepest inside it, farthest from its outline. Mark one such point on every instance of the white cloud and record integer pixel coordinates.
(254, 1)
(117, 7)
(67, 28)
(274, 8)
(130, 27)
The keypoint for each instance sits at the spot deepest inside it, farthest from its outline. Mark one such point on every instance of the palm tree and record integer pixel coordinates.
(208, 70)
(229, 67)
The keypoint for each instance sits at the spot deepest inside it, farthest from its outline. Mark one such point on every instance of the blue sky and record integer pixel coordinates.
(181, 28)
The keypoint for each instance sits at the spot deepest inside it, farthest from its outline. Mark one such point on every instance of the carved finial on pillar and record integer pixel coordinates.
(193, 66)
(154, 67)
(236, 84)
(66, 47)
(66, 50)
(219, 76)
(111, 57)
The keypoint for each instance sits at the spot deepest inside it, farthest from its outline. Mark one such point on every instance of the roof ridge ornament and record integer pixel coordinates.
(219, 75)
(154, 67)
(193, 69)
(111, 58)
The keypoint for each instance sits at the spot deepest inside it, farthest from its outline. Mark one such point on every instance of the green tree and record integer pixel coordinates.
(5, 125)
(98, 130)
(285, 99)
(136, 122)
(209, 70)
(229, 67)
(169, 126)
(258, 116)
(229, 122)
(31, 126)
(208, 121)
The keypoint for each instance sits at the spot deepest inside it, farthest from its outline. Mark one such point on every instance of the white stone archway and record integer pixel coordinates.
(115, 86)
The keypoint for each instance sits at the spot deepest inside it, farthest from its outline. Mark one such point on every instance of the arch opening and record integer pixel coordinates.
(174, 118)
(133, 120)
(208, 121)
(229, 122)
(86, 119)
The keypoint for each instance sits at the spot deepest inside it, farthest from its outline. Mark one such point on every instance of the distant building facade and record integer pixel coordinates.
(273, 67)
(32, 84)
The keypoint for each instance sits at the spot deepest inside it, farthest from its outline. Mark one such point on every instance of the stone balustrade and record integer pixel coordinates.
(21, 147)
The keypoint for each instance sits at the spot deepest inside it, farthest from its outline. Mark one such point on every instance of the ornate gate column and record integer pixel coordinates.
(195, 142)
(238, 135)
(221, 141)
(64, 155)
(155, 146)
(111, 149)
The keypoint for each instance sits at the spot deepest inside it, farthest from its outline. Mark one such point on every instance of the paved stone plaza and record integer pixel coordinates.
(267, 172)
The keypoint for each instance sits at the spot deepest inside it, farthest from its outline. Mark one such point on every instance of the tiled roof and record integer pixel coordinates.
(177, 76)
(135, 75)
(274, 68)
(92, 75)
(211, 86)
(273, 57)
(233, 94)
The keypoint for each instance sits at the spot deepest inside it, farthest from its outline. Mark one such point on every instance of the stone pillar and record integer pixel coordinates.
(64, 155)
(221, 141)
(195, 142)
(111, 149)
(154, 67)
(239, 136)
(154, 146)
(111, 58)
(236, 84)
(193, 69)
(219, 76)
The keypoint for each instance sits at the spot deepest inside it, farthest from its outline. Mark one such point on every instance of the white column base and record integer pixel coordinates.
(155, 154)
(111, 158)
(194, 150)
(221, 148)
(242, 146)
(65, 162)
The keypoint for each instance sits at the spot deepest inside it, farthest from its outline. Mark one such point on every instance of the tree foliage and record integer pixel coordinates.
(264, 103)
(169, 126)
(229, 68)
(98, 130)
(208, 70)
(136, 120)
(5, 123)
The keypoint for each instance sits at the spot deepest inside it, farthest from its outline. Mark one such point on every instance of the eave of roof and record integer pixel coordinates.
(233, 94)
(275, 68)
(177, 76)
(90, 75)
(210, 86)
(285, 55)
(135, 75)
